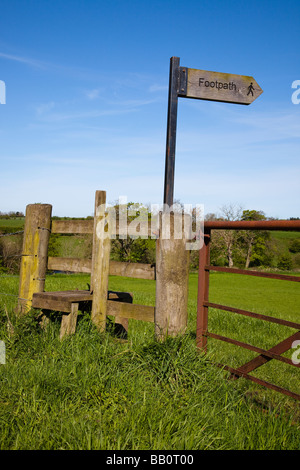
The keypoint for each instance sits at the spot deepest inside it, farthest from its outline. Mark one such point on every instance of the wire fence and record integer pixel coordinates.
(8, 235)
(10, 295)
(12, 233)
(17, 256)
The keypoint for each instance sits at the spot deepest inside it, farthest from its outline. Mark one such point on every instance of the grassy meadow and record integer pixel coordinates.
(95, 391)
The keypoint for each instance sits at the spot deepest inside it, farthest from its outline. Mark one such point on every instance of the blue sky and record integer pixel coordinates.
(86, 103)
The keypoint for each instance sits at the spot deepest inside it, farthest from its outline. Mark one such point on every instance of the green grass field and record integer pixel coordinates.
(12, 223)
(280, 235)
(93, 391)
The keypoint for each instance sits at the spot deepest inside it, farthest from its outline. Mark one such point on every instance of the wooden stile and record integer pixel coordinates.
(87, 226)
(73, 265)
(136, 270)
(127, 310)
(172, 305)
(72, 226)
(116, 268)
(60, 301)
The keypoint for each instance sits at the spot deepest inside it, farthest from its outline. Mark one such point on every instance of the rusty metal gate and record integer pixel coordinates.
(203, 303)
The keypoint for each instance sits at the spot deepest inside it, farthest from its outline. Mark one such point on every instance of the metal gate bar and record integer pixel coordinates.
(285, 277)
(265, 355)
(254, 315)
(269, 385)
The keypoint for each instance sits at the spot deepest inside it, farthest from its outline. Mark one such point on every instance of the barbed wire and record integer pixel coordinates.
(13, 233)
(10, 256)
(10, 295)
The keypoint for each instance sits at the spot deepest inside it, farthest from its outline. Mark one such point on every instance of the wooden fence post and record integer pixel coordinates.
(172, 276)
(34, 254)
(100, 263)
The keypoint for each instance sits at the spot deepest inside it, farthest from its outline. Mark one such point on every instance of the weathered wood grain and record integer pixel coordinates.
(225, 87)
(69, 321)
(62, 300)
(127, 310)
(34, 253)
(136, 270)
(87, 226)
(75, 265)
(100, 263)
(72, 226)
(172, 274)
(116, 268)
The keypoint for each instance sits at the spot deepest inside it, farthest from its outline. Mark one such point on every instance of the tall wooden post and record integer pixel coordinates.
(34, 254)
(172, 275)
(100, 263)
(203, 292)
(171, 131)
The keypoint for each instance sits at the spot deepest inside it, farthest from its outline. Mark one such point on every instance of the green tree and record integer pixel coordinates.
(285, 262)
(255, 240)
(229, 238)
(133, 248)
(294, 246)
(225, 245)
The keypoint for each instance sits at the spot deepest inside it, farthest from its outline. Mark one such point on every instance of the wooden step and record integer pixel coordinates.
(62, 300)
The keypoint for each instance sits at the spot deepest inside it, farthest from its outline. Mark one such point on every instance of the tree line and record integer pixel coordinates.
(232, 248)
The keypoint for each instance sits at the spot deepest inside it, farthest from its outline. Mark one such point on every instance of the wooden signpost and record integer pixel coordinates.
(225, 87)
(204, 85)
(172, 255)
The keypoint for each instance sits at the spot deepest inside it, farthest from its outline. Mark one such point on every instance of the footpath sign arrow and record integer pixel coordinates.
(216, 86)
(203, 85)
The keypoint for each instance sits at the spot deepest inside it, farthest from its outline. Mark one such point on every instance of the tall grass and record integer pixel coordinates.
(92, 391)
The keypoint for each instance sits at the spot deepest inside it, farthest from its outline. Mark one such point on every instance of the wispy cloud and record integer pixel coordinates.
(92, 94)
(24, 60)
(277, 124)
(111, 108)
(68, 70)
(44, 108)
(65, 116)
(75, 115)
(140, 83)
(154, 88)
